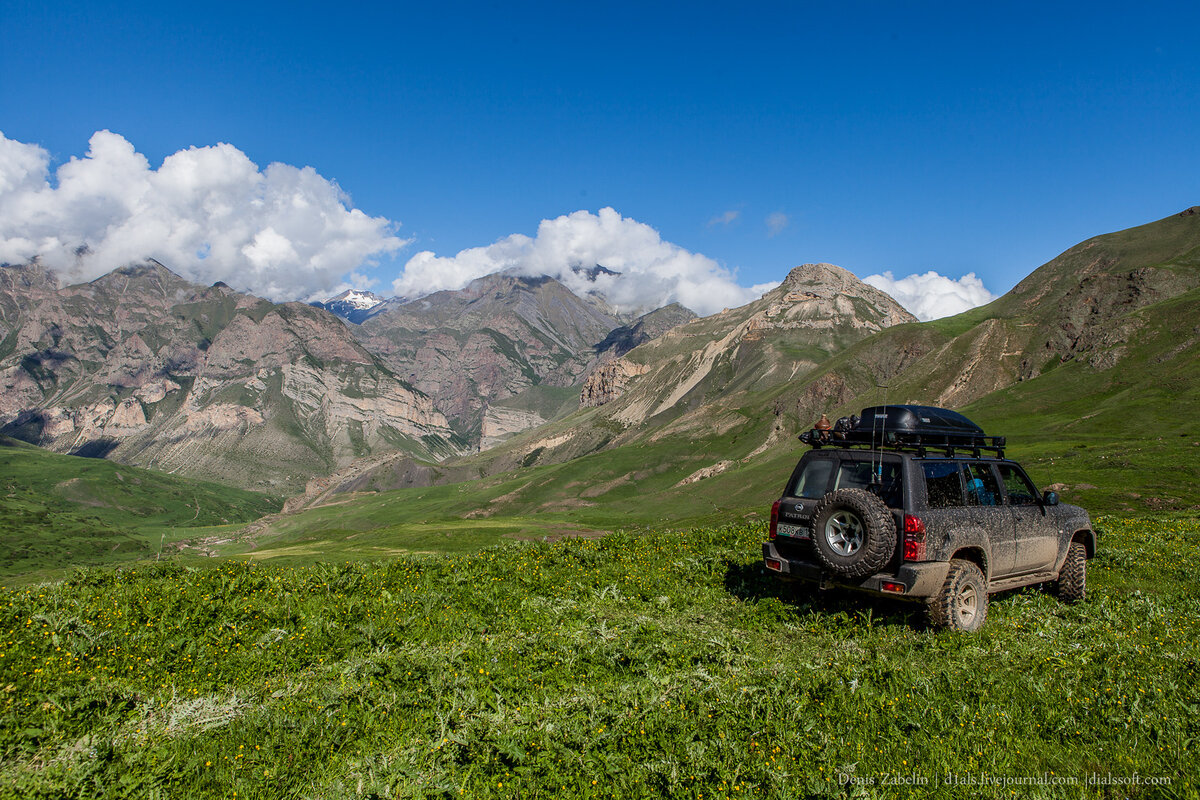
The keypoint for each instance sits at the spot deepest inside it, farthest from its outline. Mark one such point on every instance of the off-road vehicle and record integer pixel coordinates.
(914, 502)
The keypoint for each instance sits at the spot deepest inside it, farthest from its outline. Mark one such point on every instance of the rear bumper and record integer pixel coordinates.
(917, 579)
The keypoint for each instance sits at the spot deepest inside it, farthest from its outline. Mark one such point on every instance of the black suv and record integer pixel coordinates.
(915, 502)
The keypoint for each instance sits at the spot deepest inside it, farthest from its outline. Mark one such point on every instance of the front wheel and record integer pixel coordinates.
(962, 603)
(1071, 586)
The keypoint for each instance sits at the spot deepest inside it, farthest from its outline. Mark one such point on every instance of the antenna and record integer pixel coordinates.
(877, 469)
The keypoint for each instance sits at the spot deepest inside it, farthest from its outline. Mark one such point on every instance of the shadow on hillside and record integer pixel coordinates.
(751, 583)
(96, 448)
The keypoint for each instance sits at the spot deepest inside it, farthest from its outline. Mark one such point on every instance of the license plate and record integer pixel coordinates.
(783, 529)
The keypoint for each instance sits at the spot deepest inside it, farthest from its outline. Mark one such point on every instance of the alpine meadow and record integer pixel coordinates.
(507, 541)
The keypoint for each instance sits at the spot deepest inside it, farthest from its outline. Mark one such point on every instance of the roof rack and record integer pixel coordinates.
(906, 428)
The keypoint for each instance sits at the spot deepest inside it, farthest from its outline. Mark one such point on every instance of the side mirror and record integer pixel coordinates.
(1050, 498)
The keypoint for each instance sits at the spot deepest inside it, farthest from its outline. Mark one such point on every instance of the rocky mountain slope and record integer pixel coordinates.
(691, 381)
(695, 376)
(477, 351)
(1086, 307)
(155, 371)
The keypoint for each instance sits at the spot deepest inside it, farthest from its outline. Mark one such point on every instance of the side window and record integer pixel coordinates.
(943, 483)
(813, 479)
(1019, 489)
(982, 488)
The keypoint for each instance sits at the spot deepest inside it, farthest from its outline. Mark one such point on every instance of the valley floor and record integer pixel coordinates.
(636, 665)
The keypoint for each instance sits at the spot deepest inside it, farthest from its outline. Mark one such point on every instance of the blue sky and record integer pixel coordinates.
(902, 137)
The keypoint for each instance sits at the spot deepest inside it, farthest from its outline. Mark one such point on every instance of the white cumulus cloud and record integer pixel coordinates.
(208, 213)
(933, 296)
(653, 272)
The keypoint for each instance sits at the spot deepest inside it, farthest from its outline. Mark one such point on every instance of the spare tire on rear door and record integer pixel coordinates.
(853, 533)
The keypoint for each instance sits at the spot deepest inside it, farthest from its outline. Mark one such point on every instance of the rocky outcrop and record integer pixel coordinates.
(499, 423)
(609, 381)
(705, 472)
(816, 296)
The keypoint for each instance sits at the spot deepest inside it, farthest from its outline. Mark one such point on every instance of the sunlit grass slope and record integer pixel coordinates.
(57, 511)
(654, 665)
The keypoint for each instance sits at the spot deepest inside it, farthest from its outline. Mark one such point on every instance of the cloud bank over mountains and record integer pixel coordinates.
(208, 212)
(653, 272)
(287, 233)
(933, 296)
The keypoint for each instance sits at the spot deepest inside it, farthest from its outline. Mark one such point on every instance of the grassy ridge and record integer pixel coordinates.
(57, 511)
(661, 664)
(1127, 434)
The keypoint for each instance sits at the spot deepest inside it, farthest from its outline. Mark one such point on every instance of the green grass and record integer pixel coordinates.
(651, 665)
(327, 535)
(60, 511)
(549, 402)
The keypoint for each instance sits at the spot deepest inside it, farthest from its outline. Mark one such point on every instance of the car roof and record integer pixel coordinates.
(867, 454)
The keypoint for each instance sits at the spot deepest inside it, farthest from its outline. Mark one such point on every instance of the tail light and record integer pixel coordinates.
(774, 520)
(914, 538)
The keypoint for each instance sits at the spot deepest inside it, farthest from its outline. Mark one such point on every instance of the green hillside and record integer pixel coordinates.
(641, 666)
(60, 511)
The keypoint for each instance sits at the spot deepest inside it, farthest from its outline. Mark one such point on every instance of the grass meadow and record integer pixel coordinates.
(661, 663)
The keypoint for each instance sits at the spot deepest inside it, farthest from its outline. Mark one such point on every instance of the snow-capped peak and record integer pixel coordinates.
(357, 299)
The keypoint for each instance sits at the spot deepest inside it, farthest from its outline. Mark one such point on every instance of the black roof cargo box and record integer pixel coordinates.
(926, 420)
(906, 427)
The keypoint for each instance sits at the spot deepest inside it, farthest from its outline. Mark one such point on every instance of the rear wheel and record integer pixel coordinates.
(1071, 586)
(854, 534)
(962, 603)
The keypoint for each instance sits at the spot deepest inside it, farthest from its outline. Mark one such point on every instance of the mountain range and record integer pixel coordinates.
(577, 407)
(147, 368)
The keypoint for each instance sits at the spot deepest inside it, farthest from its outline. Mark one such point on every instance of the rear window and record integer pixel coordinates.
(943, 483)
(813, 479)
(882, 479)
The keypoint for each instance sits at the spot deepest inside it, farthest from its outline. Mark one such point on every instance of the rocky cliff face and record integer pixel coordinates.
(609, 381)
(147, 368)
(499, 423)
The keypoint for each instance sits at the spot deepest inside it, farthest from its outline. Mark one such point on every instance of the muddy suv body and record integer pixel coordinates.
(944, 519)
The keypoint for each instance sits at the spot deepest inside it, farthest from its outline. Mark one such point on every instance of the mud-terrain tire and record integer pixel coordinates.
(1071, 586)
(962, 603)
(854, 534)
